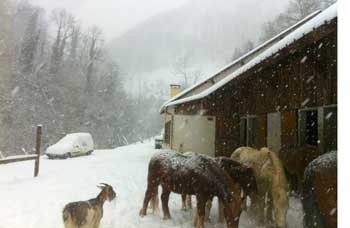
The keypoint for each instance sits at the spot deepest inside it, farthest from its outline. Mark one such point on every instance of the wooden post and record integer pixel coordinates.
(37, 150)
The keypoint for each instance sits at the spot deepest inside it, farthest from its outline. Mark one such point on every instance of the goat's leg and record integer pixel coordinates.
(97, 224)
(201, 201)
(165, 201)
(68, 223)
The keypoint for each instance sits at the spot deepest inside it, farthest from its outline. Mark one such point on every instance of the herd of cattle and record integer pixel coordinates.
(260, 175)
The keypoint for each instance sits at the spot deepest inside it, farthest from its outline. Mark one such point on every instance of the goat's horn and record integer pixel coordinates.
(104, 184)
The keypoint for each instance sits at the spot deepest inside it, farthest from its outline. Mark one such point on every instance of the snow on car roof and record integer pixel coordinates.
(65, 144)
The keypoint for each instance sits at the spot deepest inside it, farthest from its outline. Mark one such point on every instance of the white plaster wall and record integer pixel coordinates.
(194, 133)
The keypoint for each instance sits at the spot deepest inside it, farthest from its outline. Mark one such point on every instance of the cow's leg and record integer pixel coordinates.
(257, 208)
(300, 176)
(280, 202)
(232, 211)
(150, 192)
(269, 209)
(155, 201)
(221, 212)
(165, 201)
(189, 201)
(183, 199)
(201, 201)
(208, 207)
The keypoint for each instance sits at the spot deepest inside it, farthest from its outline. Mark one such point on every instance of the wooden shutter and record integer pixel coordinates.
(289, 125)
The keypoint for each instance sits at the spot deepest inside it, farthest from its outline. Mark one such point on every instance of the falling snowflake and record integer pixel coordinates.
(15, 91)
(329, 115)
(332, 212)
(303, 59)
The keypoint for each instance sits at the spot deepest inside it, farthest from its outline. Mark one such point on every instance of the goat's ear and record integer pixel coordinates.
(100, 187)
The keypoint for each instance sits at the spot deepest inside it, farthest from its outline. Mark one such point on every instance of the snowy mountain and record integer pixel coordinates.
(206, 30)
(38, 202)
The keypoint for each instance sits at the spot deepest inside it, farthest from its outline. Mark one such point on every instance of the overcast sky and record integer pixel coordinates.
(113, 16)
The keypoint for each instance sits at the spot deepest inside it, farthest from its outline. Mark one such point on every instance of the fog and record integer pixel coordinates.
(113, 16)
(147, 39)
(105, 67)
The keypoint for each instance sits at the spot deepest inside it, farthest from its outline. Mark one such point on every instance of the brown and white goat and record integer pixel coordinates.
(87, 214)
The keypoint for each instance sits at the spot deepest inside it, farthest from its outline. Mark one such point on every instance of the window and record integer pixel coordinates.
(330, 128)
(167, 132)
(248, 133)
(308, 127)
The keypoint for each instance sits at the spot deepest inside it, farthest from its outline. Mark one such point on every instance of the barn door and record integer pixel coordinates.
(274, 131)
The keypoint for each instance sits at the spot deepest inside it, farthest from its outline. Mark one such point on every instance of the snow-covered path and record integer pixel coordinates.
(27, 202)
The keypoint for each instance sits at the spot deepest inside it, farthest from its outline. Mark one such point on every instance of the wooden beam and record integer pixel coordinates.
(17, 159)
(37, 150)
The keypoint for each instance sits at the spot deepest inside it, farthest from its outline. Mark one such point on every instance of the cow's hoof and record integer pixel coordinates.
(142, 213)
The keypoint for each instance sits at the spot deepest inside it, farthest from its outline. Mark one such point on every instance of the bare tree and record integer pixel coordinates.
(95, 48)
(295, 11)
(76, 35)
(185, 70)
(239, 51)
(30, 42)
(64, 23)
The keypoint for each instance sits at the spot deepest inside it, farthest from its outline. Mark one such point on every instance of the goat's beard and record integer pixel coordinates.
(114, 202)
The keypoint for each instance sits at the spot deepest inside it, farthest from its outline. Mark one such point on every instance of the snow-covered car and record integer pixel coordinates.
(158, 140)
(71, 145)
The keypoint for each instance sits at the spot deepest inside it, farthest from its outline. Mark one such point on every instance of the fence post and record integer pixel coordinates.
(37, 150)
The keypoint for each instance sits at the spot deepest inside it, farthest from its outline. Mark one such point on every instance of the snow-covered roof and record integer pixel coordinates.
(315, 22)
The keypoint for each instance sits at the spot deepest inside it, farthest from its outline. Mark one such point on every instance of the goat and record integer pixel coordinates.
(87, 214)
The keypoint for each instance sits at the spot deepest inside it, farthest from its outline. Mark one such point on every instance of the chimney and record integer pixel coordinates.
(174, 90)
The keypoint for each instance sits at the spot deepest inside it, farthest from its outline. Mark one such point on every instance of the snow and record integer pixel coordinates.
(329, 115)
(15, 91)
(38, 202)
(323, 17)
(303, 60)
(305, 102)
(72, 143)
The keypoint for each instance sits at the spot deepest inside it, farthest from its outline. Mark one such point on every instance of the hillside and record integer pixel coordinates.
(208, 31)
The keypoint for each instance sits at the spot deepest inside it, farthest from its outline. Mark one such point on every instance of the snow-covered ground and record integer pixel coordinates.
(27, 202)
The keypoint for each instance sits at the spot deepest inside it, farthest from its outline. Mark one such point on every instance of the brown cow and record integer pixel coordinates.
(197, 175)
(239, 173)
(296, 158)
(320, 192)
(272, 185)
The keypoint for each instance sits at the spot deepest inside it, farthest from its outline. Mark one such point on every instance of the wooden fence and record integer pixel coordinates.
(35, 156)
